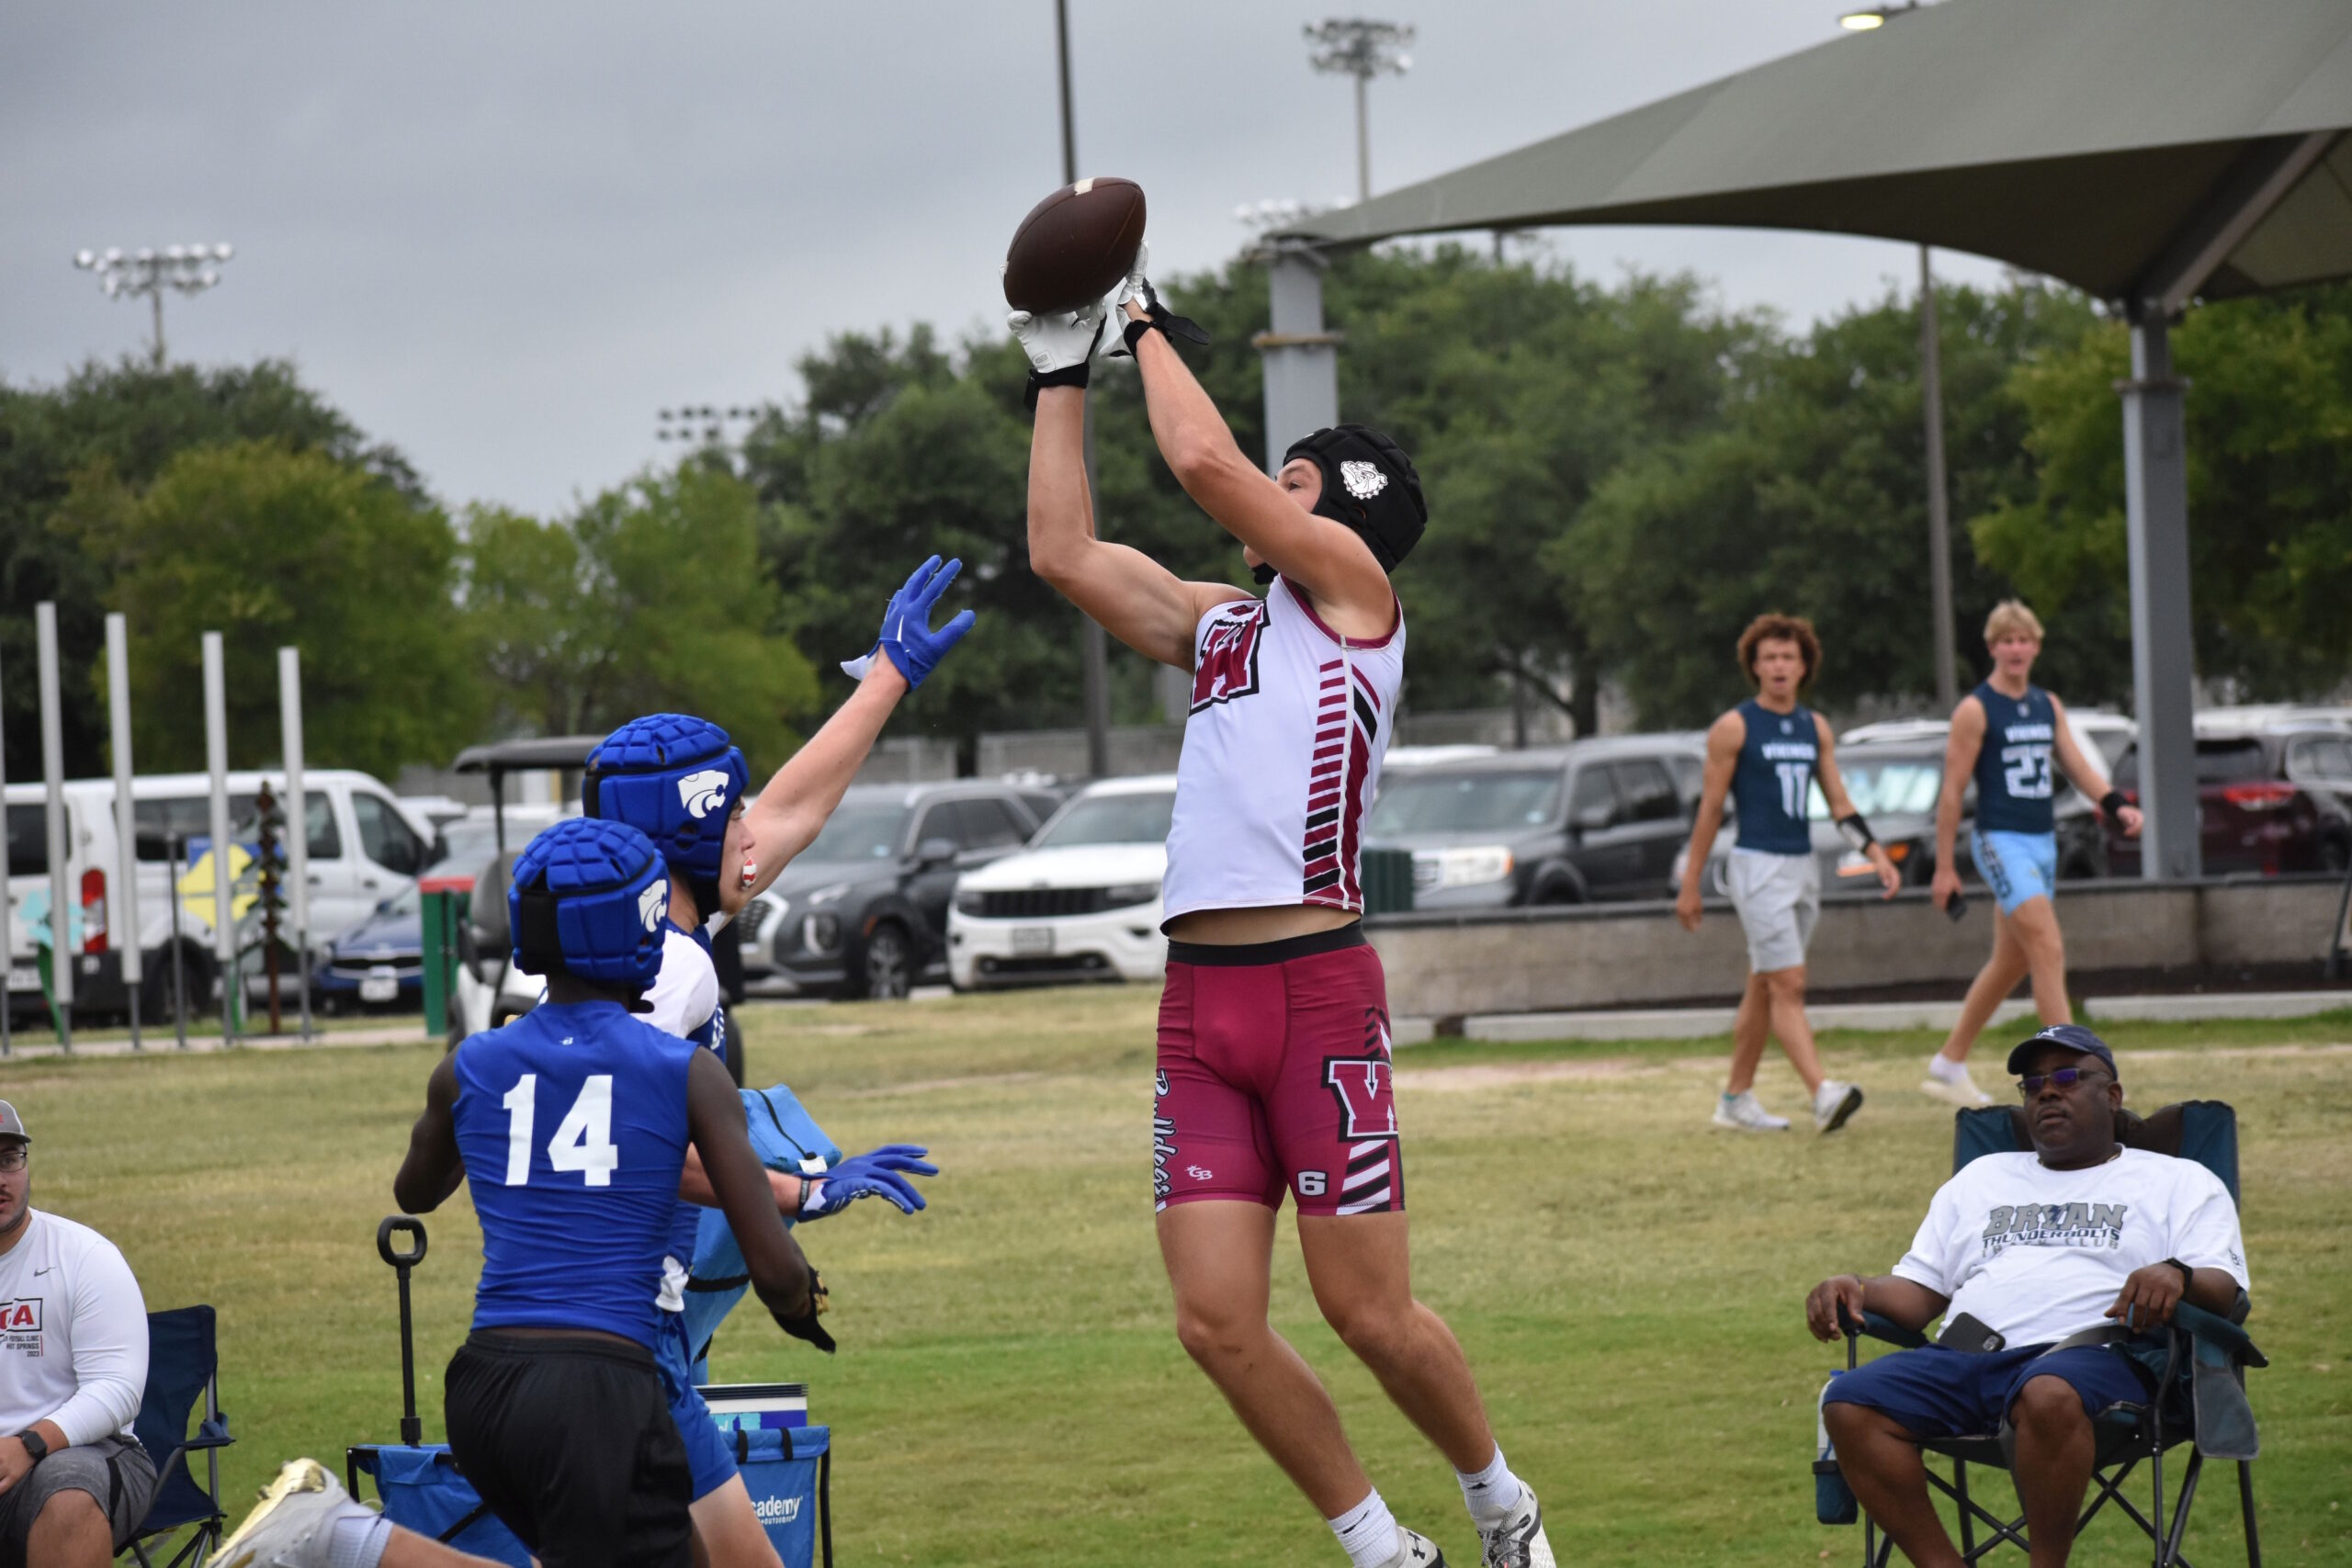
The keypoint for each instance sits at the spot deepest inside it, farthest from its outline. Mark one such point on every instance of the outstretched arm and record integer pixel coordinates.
(1133, 597)
(1321, 555)
(433, 1168)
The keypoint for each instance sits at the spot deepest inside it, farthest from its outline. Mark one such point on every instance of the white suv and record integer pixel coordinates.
(1080, 903)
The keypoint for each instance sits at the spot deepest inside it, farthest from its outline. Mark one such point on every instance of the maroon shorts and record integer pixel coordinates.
(1275, 1073)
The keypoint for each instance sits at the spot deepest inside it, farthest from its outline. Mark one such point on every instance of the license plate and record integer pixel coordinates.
(1032, 941)
(24, 979)
(379, 988)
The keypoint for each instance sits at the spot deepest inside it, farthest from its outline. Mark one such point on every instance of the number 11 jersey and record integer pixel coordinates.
(572, 1121)
(1774, 778)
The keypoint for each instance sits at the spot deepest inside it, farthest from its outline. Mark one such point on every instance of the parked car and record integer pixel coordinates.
(2270, 802)
(378, 962)
(1080, 903)
(862, 911)
(1591, 819)
(363, 849)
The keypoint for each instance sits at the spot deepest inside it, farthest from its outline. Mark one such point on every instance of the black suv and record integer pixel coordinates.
(863, 909)
(1592, 820)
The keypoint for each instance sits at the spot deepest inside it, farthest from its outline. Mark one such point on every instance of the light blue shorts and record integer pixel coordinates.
(2016, 866)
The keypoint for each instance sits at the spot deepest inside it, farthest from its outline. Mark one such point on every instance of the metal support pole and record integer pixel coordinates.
(124, 927)
(60, 845)
(1093, 645)
(1301, 359)
(215, 760)
(2164, 668)
(156, 296)
(1364, 139)
(298, 814)
(1931, 382)
(7, 914)
(174, 857)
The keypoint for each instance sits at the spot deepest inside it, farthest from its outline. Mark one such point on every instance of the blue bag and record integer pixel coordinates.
(422, 1491)
(786, 1138)
(789, 1471)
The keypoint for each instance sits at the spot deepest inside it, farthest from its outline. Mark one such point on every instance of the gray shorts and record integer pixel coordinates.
(114, 1469)
(1779, 900)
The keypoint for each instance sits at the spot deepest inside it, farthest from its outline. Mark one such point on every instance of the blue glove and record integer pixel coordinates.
(906, 638)
(874, 1175)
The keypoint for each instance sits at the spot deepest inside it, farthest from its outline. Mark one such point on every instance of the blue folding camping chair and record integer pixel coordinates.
(182, 1364)
(2200, 1394)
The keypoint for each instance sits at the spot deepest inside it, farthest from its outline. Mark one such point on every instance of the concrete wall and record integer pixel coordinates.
(1634, 955)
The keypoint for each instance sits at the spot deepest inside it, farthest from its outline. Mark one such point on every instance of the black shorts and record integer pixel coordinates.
(570, 1442)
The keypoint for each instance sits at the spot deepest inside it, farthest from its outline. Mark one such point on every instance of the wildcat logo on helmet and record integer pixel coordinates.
(703, 793)
(653, 901)
(1363, 481)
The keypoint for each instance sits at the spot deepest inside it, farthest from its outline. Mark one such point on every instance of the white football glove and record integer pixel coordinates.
(1057, 340)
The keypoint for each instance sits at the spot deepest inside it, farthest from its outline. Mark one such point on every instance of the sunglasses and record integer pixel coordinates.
(2065, 1078)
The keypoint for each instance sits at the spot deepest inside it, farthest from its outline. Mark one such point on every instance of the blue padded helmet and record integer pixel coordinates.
(675, 779)
(588, 899)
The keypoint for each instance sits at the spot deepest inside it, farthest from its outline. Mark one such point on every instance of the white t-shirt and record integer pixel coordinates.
(686, 993)
(73, 1332)
(2036, 1254)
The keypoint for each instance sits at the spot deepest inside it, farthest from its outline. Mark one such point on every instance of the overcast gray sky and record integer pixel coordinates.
(502, 236)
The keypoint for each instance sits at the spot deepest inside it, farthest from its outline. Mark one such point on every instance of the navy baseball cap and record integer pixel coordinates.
(2071, 1036)
(13, 1126)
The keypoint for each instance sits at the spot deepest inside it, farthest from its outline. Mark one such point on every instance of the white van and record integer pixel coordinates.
(364, 848)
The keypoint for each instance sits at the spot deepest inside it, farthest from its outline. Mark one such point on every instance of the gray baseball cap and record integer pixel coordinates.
(11, 1125)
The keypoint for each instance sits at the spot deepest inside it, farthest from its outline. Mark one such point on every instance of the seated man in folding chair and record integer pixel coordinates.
(2045, 1266)
(74, 1481)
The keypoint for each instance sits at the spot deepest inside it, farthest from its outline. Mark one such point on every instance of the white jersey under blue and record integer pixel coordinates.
(1282, 757)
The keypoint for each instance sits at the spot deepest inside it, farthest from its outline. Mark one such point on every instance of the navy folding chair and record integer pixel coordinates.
(2199, 1396)
(182, 1365)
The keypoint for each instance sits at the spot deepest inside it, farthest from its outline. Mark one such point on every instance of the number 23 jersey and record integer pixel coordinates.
(572, 1121)
(2013, 765)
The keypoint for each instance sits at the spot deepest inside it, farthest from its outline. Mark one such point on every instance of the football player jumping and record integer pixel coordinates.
(1274, 1054)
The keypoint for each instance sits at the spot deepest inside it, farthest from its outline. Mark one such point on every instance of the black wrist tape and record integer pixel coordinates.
(1068, 375)
(2112, 803)
(1856, 831)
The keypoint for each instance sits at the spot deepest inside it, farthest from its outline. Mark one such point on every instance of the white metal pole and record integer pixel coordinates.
(123, 924)
(53, 767)
(216, 757)
(298, 814)
(8, 907)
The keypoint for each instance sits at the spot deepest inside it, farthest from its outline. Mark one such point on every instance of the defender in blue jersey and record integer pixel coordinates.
(1773, 755)
(573, 1126)
(680, 781)
(2010, 739)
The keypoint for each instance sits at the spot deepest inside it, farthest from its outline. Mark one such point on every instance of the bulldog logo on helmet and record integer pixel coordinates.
(1363, 481)
(651, 902)
(703, 792)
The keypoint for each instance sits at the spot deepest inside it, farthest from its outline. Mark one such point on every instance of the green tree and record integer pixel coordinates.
(652, 597)
(133, 420)
(1809, 498)
(273, 546)
(2270, 417)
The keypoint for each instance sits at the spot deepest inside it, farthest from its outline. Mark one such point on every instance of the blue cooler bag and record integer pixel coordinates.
(422, 1491)
(789, 1470)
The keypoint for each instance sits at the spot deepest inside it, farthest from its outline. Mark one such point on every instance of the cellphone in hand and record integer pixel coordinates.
(1956, 907)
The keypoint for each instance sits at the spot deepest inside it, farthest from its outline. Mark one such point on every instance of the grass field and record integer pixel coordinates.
(1626, 1280)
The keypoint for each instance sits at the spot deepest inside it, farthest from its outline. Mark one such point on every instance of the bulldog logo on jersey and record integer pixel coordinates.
(1361, 1084)
(1227, 663)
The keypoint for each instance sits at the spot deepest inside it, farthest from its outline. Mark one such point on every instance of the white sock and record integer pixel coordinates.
(1492, 1493)
(1943, 1067)
(358, 1540)
(1367, 1532)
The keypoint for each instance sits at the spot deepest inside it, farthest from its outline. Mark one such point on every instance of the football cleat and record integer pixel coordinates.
(1518, 1541)
(1415, 1551)
(293, 1525)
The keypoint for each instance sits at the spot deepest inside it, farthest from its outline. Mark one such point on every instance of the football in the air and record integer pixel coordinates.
(1074, 246)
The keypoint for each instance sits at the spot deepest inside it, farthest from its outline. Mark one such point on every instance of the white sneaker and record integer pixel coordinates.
(1834, 1104)
(1958, 1089)
(1518, 1541)
(1415, 1551)
(1745, 1111)
(293, 1526)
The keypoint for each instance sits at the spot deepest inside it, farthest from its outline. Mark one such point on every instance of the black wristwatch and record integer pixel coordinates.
(2188, 1275)
(34, 1444)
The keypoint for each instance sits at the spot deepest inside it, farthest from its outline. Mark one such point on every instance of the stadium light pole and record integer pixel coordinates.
(1352, 46)
(1095, 648)
(1931, 390)
(191, 269)
(704, 425)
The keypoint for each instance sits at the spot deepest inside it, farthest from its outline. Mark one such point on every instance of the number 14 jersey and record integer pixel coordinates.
(572, 1121)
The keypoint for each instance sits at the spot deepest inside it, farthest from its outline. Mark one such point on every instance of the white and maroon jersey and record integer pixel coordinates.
(1282, 757)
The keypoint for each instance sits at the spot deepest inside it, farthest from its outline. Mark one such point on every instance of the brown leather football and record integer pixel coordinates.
(1074, 246)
